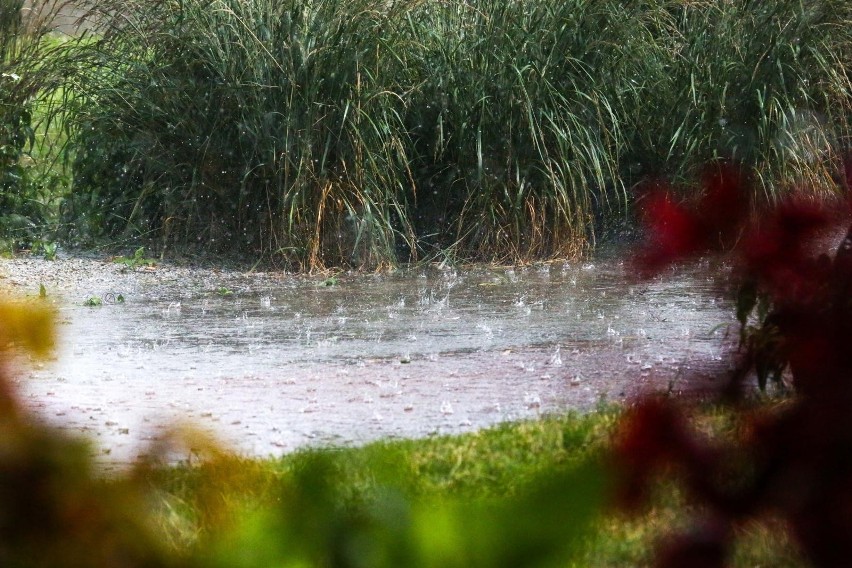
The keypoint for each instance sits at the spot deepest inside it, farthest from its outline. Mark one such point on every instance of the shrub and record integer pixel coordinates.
(790, 461)
(517, 142)
(33, 67)
(16, 133)
(54, 509)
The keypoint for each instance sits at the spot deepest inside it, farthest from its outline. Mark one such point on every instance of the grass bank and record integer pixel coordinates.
(327, 133)
(523, 494)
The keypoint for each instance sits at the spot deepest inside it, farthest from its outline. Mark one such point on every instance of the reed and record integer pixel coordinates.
(517, 144)
(763, 84)
(267, 126)
(328, 132)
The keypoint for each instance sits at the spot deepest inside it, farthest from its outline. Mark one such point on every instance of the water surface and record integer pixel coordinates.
(271, 362)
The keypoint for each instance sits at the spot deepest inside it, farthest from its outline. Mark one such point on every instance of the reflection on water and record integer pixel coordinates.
(273, 361)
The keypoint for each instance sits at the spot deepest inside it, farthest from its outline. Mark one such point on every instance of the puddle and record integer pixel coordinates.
(274, 362)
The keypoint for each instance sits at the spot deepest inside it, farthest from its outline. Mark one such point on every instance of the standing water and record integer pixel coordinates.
(270, 362)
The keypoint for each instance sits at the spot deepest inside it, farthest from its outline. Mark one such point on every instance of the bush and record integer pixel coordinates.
(54, 509)
(33, 66)
(16, 133)
(516, 141)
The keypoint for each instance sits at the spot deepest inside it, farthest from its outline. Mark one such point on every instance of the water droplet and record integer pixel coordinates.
(556, 358)
(532, 400)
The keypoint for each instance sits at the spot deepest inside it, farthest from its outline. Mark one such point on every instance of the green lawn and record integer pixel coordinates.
(533, 492)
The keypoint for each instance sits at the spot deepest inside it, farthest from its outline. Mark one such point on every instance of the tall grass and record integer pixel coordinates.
(763, 83)
(264, 125)
(331, 132)
(516, 141)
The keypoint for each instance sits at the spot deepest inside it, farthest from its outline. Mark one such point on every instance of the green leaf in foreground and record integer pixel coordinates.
(320, 515)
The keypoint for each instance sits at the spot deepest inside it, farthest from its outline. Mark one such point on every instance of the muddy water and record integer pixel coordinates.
(271, 362)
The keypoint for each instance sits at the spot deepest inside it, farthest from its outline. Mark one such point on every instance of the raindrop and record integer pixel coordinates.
(556, 358)
(532, 400)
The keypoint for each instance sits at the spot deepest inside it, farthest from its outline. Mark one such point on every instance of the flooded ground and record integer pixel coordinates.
(271, 362)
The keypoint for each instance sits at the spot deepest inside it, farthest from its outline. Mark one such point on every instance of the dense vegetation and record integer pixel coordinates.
(743, 481)
(30, 67)
(329, 132)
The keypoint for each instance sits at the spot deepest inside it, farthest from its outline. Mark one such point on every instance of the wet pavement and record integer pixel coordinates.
(270, 362)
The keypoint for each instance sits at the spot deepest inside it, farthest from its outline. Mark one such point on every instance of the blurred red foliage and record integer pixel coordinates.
(795, 460)
(679, 231)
